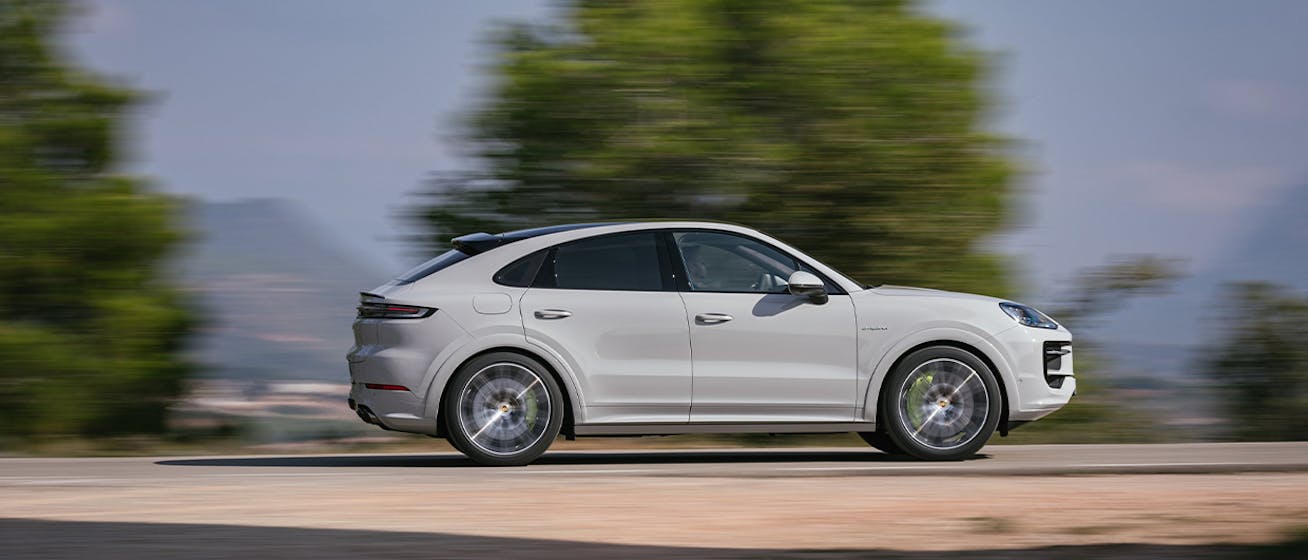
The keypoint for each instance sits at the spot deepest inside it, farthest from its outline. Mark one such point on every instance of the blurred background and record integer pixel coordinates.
(194, 192)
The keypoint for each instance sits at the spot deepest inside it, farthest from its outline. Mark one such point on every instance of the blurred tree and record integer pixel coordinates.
(89, 335)
(852, 129)
(1100, 290)
(1260, 367)
(1099, 413)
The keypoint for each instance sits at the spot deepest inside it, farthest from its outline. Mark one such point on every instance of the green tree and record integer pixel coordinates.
(1260, 365)
(852, 129)
(89, 334)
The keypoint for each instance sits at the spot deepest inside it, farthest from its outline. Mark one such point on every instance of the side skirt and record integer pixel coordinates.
(748, 428)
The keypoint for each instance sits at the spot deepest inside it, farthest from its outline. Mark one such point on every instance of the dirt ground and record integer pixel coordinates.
(883, 513)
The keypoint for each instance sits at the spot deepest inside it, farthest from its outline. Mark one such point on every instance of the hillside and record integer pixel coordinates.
(277, 290)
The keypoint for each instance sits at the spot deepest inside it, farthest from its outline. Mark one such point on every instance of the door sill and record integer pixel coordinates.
(722, 428)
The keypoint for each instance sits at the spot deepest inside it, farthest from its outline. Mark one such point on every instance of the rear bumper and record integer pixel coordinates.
(396, 358)
(393, 410)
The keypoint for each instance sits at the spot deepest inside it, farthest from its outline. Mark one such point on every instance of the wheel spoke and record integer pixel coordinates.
(497, 416)
(524, 391)
(960, 386)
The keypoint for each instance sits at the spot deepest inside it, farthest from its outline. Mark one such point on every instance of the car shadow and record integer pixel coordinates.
(448, 460)
(21, 539)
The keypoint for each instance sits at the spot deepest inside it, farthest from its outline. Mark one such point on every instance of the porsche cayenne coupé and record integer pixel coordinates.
(507, 341)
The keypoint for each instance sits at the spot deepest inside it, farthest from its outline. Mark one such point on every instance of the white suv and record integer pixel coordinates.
(508, 340)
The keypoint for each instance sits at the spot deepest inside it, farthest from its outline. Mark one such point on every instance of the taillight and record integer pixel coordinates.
(382, 310)
(385, 387)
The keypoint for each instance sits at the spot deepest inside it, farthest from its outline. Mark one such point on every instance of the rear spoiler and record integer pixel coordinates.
(475, 243)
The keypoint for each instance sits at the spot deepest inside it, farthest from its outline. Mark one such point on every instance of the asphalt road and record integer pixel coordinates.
(1113, 501)
(997, 460)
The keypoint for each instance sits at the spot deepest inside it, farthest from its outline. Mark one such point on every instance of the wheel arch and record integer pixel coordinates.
(565, 388)
(966, 341)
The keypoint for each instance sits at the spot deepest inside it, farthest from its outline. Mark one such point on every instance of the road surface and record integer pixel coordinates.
(1118, 501)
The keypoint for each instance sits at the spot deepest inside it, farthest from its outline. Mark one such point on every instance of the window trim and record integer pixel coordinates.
(545, 278)
(683, 282)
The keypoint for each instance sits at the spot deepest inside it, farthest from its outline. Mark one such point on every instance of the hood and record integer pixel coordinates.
(910, 291)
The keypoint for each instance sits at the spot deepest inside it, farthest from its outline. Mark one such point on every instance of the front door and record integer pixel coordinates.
(759, 353)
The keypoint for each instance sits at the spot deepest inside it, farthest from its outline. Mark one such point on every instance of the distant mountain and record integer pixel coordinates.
(277, 289)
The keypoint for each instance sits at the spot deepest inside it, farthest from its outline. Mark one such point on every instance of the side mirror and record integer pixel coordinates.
(808, 285)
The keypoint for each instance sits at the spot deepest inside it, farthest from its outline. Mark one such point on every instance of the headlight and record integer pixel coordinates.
(1028, 316)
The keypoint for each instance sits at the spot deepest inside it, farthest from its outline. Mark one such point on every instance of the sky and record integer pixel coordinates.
(1166, 127)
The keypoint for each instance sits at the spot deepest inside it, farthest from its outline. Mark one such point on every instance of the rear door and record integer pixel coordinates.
(608, 306)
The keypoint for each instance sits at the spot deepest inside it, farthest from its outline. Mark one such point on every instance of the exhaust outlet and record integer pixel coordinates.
(366, 415)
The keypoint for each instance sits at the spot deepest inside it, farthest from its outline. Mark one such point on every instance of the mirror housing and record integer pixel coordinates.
(808, 285)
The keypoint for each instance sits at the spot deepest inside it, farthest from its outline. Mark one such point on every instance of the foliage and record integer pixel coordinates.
(1095, 415)
(1106, 288)
(1260, 367)
(89, 336)
(1098, 414)
(851, 129)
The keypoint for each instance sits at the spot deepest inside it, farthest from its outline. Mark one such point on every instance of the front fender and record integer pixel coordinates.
(957, 333)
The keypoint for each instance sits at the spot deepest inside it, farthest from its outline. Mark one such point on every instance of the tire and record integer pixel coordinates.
(941, 404)
(455, 445)
(882, 442)
(503, 409)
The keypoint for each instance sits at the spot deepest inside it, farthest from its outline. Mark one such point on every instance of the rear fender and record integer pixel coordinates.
(509, 340)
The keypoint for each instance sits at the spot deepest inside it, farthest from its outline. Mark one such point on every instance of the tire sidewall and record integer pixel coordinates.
(454, 429)
(897, 428)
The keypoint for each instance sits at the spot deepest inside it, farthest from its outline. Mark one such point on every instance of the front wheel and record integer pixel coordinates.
(503, 409)
(941, 403)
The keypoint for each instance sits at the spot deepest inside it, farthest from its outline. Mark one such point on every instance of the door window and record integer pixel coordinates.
(720, 262)
(626, 261)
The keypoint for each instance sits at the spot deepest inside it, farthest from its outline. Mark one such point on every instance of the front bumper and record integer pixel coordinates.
(1045, 379)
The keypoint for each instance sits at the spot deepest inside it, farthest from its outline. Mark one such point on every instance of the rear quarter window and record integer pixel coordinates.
(522, 272)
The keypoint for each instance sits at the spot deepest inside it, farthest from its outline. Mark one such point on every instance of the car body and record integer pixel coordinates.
(667, 327)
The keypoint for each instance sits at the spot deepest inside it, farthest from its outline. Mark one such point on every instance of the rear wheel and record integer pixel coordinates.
(941, 403)
(503, 409)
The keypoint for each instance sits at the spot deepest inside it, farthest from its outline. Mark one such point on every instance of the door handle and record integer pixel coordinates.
(712, 318)
(552, 314)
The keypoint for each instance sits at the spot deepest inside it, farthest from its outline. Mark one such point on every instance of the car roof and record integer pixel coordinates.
(475, 243)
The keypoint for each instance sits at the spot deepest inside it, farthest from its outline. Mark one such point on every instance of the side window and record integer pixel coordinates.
(521, 272)
(720, 262)
(627, 261)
